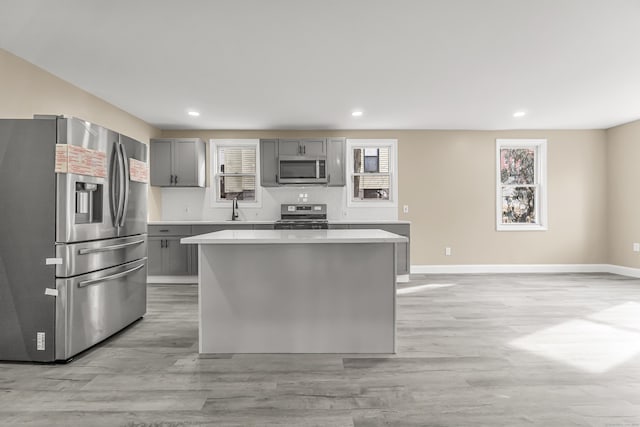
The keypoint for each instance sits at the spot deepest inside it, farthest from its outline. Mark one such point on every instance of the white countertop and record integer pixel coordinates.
(206, 222)
(228, 222)
(294, 236)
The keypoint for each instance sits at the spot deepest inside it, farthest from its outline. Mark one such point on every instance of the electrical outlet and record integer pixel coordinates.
(405, 209)
(447, 251)
(636, 247)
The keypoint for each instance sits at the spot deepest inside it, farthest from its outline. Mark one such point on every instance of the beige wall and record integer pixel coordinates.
(26, 90)
(448, 180)
(623, 167)
(446, 177)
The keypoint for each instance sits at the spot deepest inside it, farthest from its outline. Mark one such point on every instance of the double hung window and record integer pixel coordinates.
(521, 196)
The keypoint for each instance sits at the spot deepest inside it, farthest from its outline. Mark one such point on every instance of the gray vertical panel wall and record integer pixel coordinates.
(336, 148)
(27, 236)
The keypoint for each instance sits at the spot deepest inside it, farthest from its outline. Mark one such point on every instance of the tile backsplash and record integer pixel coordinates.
(195, 204)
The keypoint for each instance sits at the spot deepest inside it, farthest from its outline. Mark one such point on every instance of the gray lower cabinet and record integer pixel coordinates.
(403, 259)
(166, 255)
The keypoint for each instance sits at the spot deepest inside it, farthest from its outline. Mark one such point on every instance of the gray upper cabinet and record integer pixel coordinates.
(289, 147)
(311, 147)
(160, 161)
(178, 162)
(336, 149)
(314, 147)
(269, 162)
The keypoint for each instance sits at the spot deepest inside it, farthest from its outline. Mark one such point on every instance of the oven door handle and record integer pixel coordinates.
(86, 283)
(87, 251)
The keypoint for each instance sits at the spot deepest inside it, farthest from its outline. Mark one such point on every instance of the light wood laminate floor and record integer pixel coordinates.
(473, 350)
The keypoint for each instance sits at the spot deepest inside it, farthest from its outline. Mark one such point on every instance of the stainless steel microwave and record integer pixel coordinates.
(302, 170)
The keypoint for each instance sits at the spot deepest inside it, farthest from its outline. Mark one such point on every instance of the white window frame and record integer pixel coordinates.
(214, 144)
(540, 146)
(392, 144)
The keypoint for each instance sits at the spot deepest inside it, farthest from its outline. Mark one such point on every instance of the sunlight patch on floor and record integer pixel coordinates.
(597, 345)
(625, 316)
(420, 288)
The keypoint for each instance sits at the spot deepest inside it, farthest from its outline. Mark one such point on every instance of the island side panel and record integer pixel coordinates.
(297, 298)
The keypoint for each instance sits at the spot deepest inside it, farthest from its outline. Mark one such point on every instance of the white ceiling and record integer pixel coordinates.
(303, 64)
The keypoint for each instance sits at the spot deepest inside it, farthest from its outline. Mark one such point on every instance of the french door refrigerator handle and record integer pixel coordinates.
(109, 248)
(121, 179)
(86, 283)
(125, 173)
(113, 195)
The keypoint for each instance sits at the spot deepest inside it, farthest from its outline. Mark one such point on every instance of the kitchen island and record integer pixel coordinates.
(296, 291)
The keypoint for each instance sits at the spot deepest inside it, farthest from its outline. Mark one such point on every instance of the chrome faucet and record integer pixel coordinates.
(234, 209)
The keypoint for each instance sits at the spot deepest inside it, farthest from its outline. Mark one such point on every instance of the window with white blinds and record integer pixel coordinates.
(371, 165)
(235, 165)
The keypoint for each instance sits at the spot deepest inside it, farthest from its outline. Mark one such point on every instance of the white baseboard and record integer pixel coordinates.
(624, 271)
(172, 279)
(525, 268)
(402, 278)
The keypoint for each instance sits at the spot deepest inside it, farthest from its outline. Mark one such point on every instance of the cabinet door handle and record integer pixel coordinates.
(175, 179)
(304, 149)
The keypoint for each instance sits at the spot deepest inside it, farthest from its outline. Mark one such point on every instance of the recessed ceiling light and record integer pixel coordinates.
(519, 114)
(356, 113)
(193, 113)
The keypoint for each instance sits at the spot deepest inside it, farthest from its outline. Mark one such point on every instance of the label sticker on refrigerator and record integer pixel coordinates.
(51, 292)
(53, 261)
(138, 171)
(39, 340)
(80, 160)
(62, 158)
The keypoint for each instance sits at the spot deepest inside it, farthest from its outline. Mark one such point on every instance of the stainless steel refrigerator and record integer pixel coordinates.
(73, 243)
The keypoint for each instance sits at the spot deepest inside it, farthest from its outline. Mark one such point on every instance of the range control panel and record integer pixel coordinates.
(303, 211)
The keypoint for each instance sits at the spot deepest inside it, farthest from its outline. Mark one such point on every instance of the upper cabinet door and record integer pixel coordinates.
(185, 166)
(269, 162)
(185, 163)
(313, 147)
(161, 172)
(289, 147)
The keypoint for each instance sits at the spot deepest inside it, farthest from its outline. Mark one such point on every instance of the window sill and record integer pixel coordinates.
(521, 227)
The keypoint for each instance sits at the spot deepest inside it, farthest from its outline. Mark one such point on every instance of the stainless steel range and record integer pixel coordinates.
(302, 217)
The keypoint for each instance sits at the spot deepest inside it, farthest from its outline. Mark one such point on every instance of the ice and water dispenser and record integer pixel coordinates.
(88, 203)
